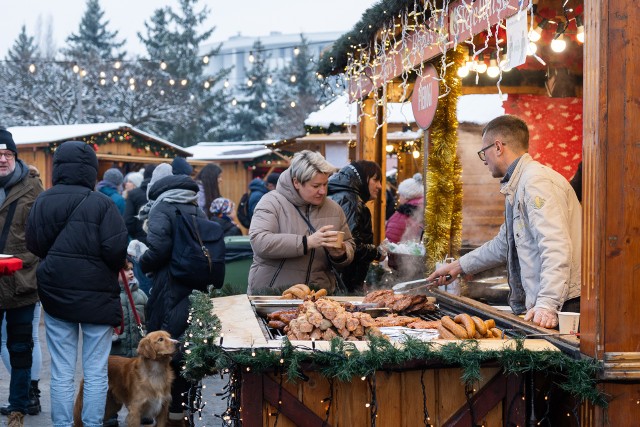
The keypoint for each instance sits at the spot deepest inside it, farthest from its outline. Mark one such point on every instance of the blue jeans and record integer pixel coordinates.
(63, 342)
(20, 345)
(36, 354)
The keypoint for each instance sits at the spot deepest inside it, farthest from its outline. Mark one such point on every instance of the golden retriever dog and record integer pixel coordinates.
(142, 383)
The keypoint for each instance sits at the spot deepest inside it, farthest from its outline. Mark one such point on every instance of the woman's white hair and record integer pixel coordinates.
(306, 164)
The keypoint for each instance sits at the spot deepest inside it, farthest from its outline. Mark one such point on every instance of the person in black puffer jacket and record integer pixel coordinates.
(351, 188)
(168, 305)
(135, 200)
(81, 239)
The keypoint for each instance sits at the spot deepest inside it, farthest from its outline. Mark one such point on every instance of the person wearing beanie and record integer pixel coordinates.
(136, 199)
(18, 292)
(272, 180)
(352, 187)
(81, 240)
(132, 180)
(223, 212)
(111, 186)
(181, 167)
(407, 222)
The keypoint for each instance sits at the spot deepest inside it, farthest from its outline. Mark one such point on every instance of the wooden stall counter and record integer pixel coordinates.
(420, 392)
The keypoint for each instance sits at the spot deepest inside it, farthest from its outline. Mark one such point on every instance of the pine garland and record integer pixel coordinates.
(443, 207)
(204, 356)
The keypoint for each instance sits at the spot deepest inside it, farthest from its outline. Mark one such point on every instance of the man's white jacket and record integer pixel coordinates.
(540, 240)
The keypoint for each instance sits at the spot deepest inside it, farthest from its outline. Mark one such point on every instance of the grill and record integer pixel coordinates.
(451, 305)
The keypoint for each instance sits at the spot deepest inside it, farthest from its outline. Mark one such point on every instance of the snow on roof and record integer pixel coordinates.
(245, 150)
(26, 135)
(471, 109)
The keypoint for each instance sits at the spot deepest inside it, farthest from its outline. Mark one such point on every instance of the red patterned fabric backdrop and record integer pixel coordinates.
(555, 129)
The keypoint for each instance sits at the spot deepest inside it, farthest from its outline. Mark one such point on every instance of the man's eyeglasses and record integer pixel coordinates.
(9, 155)
(482, 153)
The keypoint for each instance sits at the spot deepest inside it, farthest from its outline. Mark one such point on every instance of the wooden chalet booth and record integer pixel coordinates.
(117, 145)
(583, 105)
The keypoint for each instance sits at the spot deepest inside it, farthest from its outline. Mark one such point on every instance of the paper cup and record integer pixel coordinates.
(568, 322)
(339, 239)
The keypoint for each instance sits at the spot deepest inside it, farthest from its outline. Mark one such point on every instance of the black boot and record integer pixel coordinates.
(34, 407)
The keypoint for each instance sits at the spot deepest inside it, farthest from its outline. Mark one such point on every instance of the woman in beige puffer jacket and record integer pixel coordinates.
(294, 228)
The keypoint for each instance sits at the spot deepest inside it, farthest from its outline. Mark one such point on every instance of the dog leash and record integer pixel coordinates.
(123, 276)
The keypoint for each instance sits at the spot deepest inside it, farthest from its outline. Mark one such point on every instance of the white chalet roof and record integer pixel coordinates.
(38, 135)
(471, 109)
(244, 150)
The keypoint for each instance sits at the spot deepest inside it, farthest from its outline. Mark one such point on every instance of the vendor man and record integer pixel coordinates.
(540, 240)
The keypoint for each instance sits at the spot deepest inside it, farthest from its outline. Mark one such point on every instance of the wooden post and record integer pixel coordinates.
(372, 141)
(611, 201)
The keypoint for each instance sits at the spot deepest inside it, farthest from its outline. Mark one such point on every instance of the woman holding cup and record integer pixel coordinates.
(295, 231)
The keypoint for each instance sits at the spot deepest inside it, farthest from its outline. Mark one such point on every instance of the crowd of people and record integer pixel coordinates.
(308, 224)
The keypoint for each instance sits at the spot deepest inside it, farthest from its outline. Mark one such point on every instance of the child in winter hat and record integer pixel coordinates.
(411, 188)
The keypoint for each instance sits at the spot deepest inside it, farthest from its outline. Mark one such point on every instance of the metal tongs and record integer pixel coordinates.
(420, 284)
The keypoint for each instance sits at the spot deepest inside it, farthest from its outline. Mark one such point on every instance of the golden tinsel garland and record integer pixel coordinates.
(443, 209)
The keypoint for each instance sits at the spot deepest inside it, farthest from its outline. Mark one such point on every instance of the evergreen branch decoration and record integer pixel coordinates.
(205, 356)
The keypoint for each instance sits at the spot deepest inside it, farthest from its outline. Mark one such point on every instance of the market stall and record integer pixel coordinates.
(605, 358)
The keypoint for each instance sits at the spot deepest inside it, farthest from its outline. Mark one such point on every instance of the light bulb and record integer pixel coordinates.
(83, 73)
(269, 80)
(416, 154)
(207, 84)
(103, 74)
(580, 34)
(32, 68)
(293, 78)
(149, 82)
(481, 67)
(535, 34)
(117, 65)
(493, 70)
(296, 51)
(558, 44)
(389, 148)
(251, 57)
(132, 81)
(205, 59)
(226, 83)
(234, 102)
(263, 104)
(249, 82)
(103, 82)
(532, 49)
(76, 68)
(463, 72)
(163, 65)
(293, 104)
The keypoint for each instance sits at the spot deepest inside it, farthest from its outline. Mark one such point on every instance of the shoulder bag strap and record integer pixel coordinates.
(127, 289)
(7, 224)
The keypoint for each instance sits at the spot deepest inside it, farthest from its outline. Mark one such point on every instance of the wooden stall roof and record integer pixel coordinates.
(42, 136)
(205, 152)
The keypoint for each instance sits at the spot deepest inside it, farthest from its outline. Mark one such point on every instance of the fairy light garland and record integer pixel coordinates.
(141, 144)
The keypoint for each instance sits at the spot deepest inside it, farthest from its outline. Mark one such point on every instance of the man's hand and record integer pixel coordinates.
(542, 317)
(452, 268)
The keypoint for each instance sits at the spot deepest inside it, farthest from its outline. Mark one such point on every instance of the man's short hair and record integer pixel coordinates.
(511, 128)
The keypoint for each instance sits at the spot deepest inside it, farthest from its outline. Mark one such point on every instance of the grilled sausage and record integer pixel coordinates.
(456, 329)
(465, 320)
(481, 328)
(445, 334)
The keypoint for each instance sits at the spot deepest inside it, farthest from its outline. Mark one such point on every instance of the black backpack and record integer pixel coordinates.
(197, 257)
(243, 211)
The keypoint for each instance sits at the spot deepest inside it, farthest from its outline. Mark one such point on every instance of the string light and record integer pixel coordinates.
(296, 51)
(293, 78)
(75, 68)
(536, 34)
(207, 85)
(493, 70)
(205, 59)
(269, 80)
(251, 57)
(249, 82)
(226, 83)
(263, 105)
(32, 68)
(163, 65)
(580, 27)
(117, 65)
(149, 83)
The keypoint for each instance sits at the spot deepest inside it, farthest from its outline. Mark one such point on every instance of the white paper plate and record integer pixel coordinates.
(3, 256)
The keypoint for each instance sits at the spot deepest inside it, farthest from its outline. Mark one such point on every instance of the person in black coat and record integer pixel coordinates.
(81, 239)
(352, 187)
(168, 305)
(136, 199)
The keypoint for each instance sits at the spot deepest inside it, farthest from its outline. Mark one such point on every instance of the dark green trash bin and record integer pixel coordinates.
(238, 258)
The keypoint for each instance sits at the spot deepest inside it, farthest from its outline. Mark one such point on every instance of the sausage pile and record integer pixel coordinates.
(464, 327)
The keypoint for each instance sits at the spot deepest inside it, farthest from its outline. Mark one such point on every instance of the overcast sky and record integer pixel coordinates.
(250, 17)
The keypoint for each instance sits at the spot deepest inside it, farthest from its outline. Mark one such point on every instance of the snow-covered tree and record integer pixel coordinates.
(93, 39)
(298, 91)
(255, 111)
